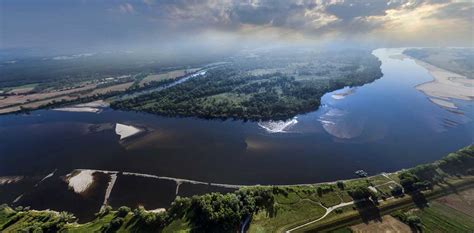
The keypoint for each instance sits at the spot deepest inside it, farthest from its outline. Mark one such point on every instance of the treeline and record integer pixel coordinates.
(85, 99)
(216, 212)
(212, 212)
(423, 177)
(228, 93)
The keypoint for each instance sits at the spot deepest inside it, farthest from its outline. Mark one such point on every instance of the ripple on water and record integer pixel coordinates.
(340, 124)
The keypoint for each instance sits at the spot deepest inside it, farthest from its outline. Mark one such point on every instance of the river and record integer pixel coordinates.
(379, 127)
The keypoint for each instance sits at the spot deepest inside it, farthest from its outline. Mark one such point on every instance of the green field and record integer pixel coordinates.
(285, 214)
(441, 218)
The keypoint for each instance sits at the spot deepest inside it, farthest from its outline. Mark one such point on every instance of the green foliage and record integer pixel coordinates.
(217, 212)
(150, 219)
(123, 211)
(414, 221)
(33, 221)
(340, 185)
(104, 211)
(397, 191)
(360, 193)
(224, 212)
(407, 180)
(231, 92)
(423, 176)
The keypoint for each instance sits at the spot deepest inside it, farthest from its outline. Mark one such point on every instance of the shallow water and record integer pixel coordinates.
(382, 126)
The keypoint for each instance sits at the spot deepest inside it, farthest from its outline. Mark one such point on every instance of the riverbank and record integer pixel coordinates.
(285, 208)
(446, 85)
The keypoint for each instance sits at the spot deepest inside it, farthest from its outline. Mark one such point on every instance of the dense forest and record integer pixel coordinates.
(276, 88)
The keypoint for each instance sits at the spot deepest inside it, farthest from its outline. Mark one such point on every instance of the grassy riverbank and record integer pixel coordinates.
(316, 207)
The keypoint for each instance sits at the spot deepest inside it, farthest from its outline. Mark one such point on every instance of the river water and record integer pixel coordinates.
(379, 127)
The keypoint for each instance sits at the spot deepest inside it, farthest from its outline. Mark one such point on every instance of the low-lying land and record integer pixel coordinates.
(328, 206)
(452, 73)
(18, 100)
(457, 60)
(270, 86)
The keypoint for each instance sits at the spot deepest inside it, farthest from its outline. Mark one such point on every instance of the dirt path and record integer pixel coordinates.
(328, 211)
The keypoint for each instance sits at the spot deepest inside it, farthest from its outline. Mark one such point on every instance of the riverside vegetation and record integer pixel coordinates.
(271, 86)
(272, 208)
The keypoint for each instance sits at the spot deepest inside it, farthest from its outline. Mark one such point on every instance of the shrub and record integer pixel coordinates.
(397, 191)
(340, 185)
(123, 211)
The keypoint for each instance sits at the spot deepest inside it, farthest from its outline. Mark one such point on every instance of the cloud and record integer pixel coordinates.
(304, 16)
(457, 10)
(353, 9)
(126, 8)
(155, 21)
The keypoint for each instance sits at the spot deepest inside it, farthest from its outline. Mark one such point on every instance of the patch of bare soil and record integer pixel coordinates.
(388, 224)
(463, 201)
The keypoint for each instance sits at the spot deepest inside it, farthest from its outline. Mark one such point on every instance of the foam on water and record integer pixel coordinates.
(278, 126)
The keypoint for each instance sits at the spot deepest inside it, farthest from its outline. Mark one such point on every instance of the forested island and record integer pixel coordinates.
(284, 208)
(263, 86)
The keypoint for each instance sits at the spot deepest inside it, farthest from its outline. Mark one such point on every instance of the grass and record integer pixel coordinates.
(93, 226)
(11, 221)
(286, 214)
(378, 180)
(441, 218)
(342, 230)
(350, 217)
(31, 85)
(178, 226)
(327, 199)
(386, 188)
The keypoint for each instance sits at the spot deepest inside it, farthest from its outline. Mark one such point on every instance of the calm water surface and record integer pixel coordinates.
(382, 126)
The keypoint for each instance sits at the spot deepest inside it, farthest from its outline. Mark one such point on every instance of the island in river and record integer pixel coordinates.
(353, 129)
(269, 86)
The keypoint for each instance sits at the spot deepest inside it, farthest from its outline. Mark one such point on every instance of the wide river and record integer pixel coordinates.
(379, 127)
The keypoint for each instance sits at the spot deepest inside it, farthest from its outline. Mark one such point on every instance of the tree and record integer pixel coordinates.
(397, 191)
(360, 193)
(414, 221)
(123, 211)
(340, 185)
(407, 180)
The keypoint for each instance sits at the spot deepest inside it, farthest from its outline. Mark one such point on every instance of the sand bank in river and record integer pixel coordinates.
(342, 95)
(87, 107)
(81, 181)
(446, 86)
(126, 131)
(9, 179)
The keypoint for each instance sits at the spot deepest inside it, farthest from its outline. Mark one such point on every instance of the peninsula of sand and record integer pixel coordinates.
(446, 86)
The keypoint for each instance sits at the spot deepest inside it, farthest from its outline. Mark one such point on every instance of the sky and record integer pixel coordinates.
(168, 25)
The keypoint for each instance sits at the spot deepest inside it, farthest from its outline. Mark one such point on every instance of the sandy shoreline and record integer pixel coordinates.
(445, 86)
(94, 107)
